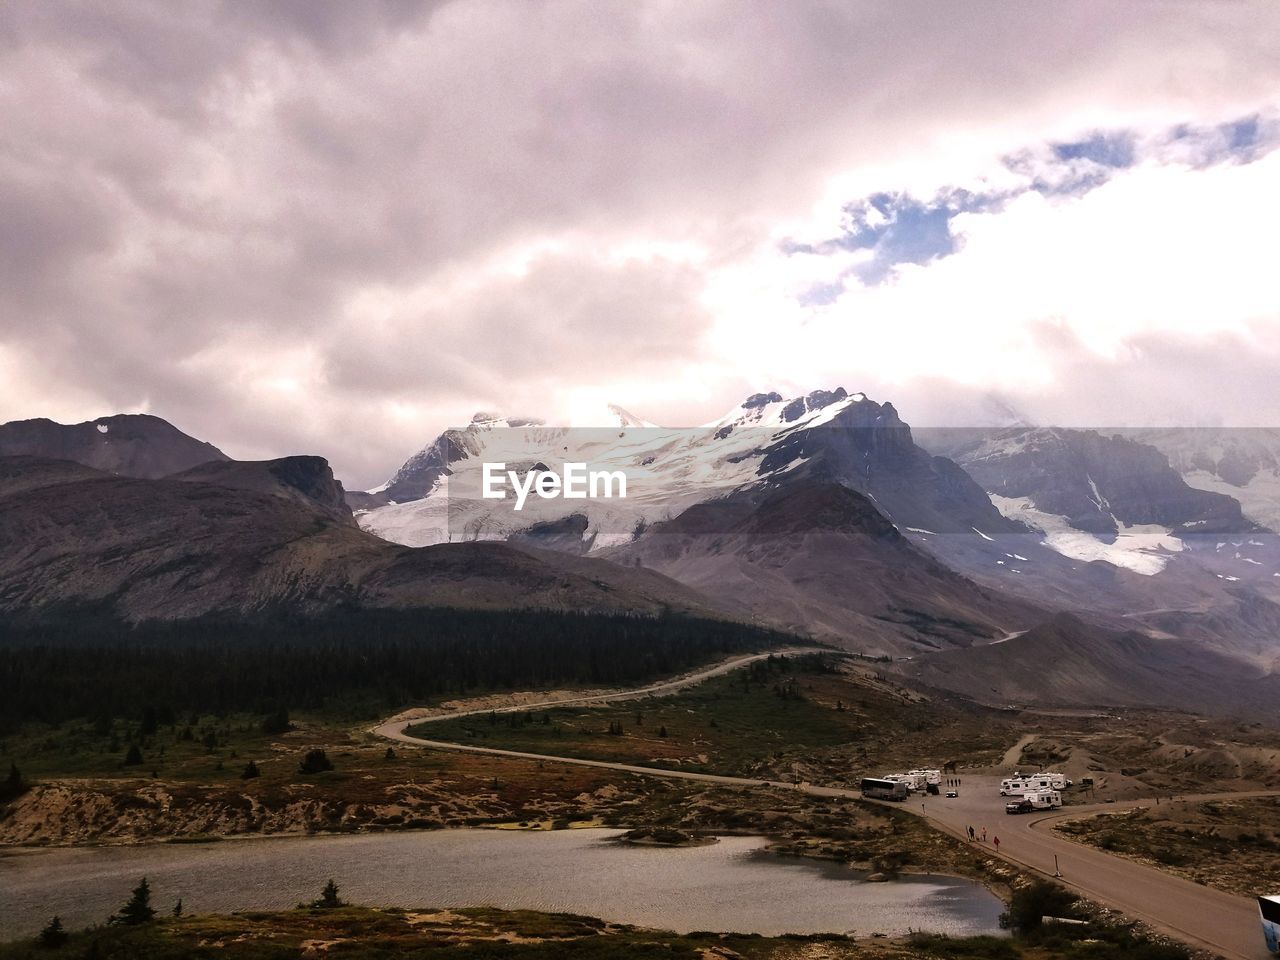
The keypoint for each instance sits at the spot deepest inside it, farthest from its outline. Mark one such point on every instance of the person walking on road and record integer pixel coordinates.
(996, 841)
(984, 834)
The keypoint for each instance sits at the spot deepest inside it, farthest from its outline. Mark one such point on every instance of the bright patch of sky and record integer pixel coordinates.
(895, 228)
(1072, 290)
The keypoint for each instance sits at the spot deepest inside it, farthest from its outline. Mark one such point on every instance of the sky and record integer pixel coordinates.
(339, 228)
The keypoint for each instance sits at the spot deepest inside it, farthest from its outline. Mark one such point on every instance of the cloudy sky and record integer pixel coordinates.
(338, 227)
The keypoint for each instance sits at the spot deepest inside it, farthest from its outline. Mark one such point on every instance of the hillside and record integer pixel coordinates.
(1066, 662)
(184, 547)
(130, 445)
(818, 557)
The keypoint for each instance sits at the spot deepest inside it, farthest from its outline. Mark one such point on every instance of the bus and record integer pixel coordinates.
(877, 789)
(1269, 907)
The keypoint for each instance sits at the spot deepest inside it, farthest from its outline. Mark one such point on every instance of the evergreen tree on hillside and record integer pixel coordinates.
(329, 899)
(217, 668)
(53, 935)
(138, 910)
(14, 786)
(133, 756)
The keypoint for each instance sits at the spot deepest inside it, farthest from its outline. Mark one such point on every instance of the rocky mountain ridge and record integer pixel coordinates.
(130, 445)
(253, 538)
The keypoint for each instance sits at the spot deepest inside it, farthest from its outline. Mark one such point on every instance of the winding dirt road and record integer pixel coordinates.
(1198, 915)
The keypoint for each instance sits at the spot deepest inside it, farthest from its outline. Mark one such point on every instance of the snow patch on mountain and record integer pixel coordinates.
(1142, 548)
(1259, 496)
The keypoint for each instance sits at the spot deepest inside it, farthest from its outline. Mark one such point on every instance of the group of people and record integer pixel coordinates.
(973, 836)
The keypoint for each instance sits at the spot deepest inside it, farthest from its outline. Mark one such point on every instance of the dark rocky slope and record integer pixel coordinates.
(818, 557)
(269, 538)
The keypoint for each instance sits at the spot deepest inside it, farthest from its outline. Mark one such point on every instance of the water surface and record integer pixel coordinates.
(733, 885)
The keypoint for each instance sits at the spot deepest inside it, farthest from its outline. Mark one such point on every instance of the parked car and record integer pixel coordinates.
(1019, 806)
(952, 794)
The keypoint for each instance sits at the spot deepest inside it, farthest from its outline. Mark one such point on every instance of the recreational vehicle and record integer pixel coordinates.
(1043, 799)
(1020, 783)
(914, 780)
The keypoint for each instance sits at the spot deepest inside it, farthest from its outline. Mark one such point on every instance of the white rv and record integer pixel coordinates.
(1014, 786)
(914, 781)
(930, 776)
(1043, 799)
(1020, 784)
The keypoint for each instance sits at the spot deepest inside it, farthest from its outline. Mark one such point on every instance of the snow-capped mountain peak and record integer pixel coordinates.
(626, 418)
(773, 410)
(768, 438)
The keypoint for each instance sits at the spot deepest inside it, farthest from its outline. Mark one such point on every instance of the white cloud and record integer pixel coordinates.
(1036, 286)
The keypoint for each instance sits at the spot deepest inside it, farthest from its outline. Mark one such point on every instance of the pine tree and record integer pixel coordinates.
(133, 756)
(138, 910)
(13, 786)
(177, 908)
(329, 897)
(390, 754)
(250, 771)
(53, 935)
(662, 731)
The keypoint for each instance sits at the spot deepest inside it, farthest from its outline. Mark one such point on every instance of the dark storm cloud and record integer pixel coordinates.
(338, 226)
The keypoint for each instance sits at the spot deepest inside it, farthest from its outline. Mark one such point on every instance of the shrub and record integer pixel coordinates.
(315, 761)
(1039, 899)
(277, 722)
(969, 948)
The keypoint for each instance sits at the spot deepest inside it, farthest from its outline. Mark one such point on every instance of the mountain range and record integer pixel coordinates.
(955, 554)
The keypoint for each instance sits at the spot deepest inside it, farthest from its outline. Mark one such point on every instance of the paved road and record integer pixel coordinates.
(1202, 916)
(1198, 915)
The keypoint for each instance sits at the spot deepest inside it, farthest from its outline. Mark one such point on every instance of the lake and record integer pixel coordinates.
(733, 885)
